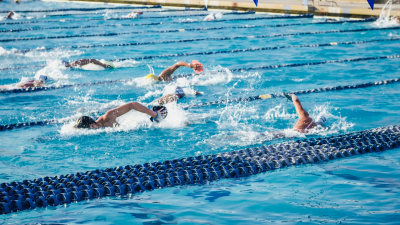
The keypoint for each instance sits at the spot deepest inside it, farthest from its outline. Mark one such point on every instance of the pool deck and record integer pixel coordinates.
(339, 8)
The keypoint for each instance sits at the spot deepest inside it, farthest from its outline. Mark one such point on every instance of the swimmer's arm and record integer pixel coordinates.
(166, 74)
(299, 108)
(113, 114)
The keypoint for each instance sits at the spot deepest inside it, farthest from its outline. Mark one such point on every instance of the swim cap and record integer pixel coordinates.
(321, 120)
(43, 78)
(84, 122)
(179, 91)
(152, 77)
(164, 113)
(65, 63)
(110, 64)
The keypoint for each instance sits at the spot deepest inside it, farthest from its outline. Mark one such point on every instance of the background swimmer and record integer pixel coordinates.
(179, 93)
(305, 122)
(10, 15)
(89, 64)
(134, 14)
(109, 119)
(213, 16)
(167, 73)
(28, 84)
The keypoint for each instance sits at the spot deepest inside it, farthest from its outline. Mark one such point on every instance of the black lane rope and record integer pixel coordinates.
(52, 191)
(119, 25)
(36, 89)
(200, 21)
(234, 100)
(152, 11)
(82, 9)
(211, 39)
(230, 51)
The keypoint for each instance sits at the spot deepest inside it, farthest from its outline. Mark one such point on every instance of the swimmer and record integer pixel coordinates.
(397, 20)
(85, 62)
(16, 1)
(166, 74)
(109, 119)
(331, 20)
(179, 93)
(134, 15)
(305, 123)
(28, 84)
(211, 17)
(10, 15)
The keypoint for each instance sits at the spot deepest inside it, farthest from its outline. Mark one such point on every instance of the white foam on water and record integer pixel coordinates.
(126, 63)
(54, 70)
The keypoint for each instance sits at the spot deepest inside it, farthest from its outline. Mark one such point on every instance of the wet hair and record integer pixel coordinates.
(84, 122)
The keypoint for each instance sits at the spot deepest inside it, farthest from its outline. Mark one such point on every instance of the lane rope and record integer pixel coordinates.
(7, 127)
(119, 25)
(228, 51)
(179, 22)
(52, 191)
(213, 39)
(82, 9)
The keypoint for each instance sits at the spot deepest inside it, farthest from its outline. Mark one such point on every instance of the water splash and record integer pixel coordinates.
(385, 20)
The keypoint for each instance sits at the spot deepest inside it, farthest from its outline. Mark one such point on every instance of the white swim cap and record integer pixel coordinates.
(321, 120)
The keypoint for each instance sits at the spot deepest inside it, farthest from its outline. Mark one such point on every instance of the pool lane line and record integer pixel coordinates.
(216, 39)
(227, 51)
(65, 189)
(82, 9)
(36, 89)
(179, 22)
(152, 11)
(119, 25)
(6, 127)
(196, 29)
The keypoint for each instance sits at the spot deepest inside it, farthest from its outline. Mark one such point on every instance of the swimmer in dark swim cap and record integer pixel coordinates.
(179, 93)
(167, 73)
(84, 62)
(109, 119)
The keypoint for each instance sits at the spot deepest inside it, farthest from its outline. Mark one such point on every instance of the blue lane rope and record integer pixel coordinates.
(176, 22)
(152, 11)
(195, 170)
(82, 9)
(211, 39)
(235, 100)
(37, 89)
(119, 25)
(230, 51)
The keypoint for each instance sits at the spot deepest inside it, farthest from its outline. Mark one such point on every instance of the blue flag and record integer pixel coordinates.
(371, 3)
(256, 2)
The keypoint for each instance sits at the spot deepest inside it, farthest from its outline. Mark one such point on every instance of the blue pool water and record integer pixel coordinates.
(357, 190)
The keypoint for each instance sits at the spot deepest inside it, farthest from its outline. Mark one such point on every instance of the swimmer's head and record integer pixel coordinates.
(179, 91)
(84, 122)
(43, 79)
(152, 78)
(16, 1)
(140, 12)
(65, 63)
(110, 64)
(321, 120)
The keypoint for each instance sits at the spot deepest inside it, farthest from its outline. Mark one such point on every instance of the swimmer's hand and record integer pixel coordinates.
(197, 66)
(162, 113)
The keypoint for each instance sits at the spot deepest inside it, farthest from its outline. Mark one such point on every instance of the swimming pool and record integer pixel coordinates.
(353, 190)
